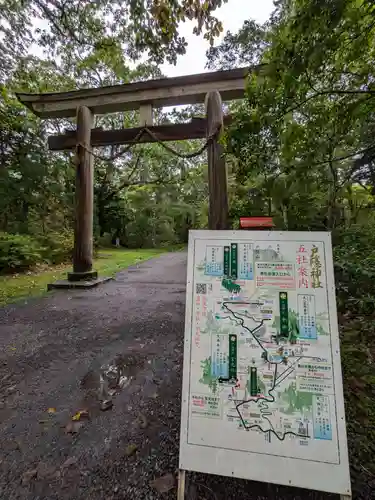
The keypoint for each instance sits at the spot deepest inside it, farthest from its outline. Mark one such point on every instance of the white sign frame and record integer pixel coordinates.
(333, 478)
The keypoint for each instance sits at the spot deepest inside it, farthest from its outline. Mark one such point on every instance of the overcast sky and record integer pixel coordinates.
(232, 15)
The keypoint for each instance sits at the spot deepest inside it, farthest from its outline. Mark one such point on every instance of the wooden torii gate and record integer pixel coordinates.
(210, 88)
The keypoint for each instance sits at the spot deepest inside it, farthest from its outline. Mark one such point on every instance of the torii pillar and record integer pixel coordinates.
(218, 211)
(84, 199)
(83, 275)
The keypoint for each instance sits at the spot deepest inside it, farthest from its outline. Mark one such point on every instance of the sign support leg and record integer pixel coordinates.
(181, 484)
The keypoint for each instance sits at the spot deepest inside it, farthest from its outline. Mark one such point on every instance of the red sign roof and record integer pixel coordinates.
(255, 222)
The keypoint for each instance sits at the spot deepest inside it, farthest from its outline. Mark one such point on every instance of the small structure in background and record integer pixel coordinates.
(256, 223)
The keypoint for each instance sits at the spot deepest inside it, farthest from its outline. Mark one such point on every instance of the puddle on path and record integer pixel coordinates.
(102, 385)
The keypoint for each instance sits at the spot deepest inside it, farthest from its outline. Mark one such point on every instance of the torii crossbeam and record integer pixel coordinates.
(210, 88)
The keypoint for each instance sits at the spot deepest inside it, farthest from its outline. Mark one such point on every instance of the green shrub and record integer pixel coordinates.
(19, 252)
(354, 258)
(146, 232)
(104, 241)
(58, 247)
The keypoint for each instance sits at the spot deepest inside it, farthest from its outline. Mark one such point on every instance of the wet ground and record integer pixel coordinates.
(52, 351)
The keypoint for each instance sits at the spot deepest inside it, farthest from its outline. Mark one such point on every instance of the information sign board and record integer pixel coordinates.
(262, 386)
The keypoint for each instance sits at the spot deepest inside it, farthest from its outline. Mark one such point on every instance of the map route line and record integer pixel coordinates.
(283, 378)
(272, 431)
(262, 398)
(252, 332)
(286, 373)
(290, 367)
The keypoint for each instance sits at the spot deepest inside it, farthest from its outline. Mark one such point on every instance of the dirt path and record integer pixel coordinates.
(51, 353)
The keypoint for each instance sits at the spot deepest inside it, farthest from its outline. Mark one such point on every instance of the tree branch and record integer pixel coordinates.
(327, 92)
(348, 176)
(340, 158)
(362, 185)
(50, 16)
(126, 183)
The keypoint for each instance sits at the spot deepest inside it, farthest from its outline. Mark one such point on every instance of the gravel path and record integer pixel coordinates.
(51, 353)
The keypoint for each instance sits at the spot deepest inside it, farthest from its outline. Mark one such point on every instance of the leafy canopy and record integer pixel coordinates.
(104, 28)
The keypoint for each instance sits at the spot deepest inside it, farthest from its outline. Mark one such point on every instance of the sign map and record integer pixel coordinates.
(264, 374)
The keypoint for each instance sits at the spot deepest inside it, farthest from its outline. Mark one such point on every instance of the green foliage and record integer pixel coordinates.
(302, 141)
(18, 252)
(354, 254)
(58, 246)
(145, 198)
(146, 231)
(355, 284)
(301, 149)
(102, 30)
(358, 354)
(238, 49)
(105, 241)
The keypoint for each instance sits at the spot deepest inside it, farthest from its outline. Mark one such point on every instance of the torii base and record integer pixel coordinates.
(85, 276)
(82, 284)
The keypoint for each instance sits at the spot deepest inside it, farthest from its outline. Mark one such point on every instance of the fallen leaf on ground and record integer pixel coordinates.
(163, 484)
(80, 415)
(130, 450)
(51, 410)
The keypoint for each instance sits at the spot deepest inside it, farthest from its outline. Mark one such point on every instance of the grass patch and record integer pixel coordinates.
(113, 260)
(34, 283)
